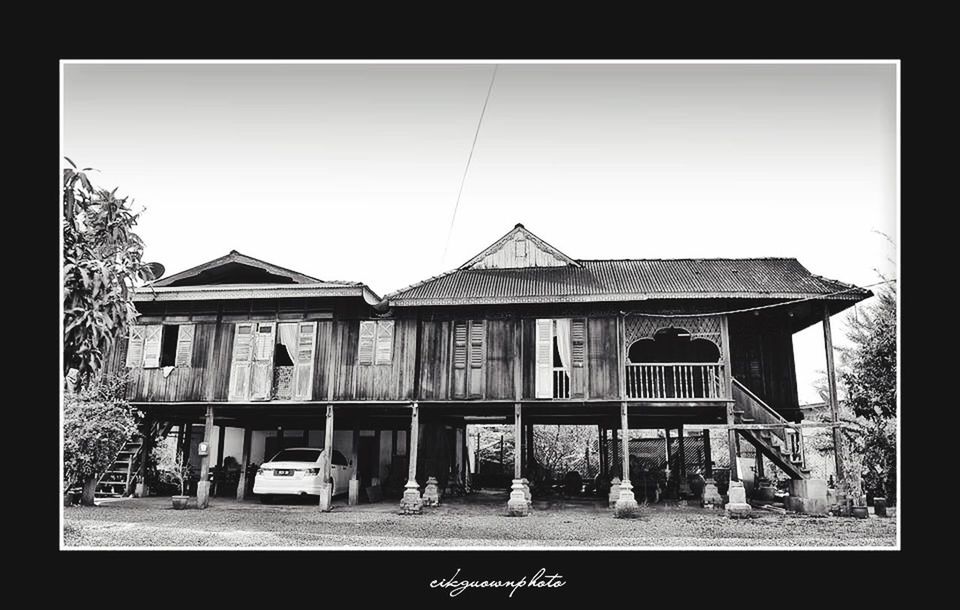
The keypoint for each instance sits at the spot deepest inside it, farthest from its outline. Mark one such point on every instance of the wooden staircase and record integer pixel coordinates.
(781, 444)
(118, 480)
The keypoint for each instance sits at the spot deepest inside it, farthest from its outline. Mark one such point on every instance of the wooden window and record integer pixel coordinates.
(303, 368)
(368, 333)
(184, 353)
(243, 346)
(460, 345)
(261, 373)
(384, 349)
(520, 248)
(578, 342)
(151, 346)
(544, 358)
(135, 346)
(476, 344)
(168, 345)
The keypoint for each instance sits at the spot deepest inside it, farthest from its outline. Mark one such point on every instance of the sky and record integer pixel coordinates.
(351, 171)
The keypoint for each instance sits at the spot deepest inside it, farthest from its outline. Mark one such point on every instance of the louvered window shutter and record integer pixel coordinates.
(368, 331)
(544, 354)
(384, 350)
(460, 345)
(151, 346)
(578, 342)
(184, 345)
(476, 344)
(243, 339)
(261, 380)
(135, 347)
(303, 367)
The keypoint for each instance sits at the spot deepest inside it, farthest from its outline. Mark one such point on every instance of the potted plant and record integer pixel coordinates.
(175, 471)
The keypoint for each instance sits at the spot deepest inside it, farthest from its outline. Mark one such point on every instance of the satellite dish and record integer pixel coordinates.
(156, 270)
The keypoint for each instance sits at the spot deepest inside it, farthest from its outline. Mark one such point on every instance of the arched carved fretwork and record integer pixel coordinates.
(638, 326)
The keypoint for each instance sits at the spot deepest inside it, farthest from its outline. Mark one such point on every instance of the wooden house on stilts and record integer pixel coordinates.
(520, 334)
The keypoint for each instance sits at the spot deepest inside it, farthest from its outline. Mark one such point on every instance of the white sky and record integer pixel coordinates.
(351, 172)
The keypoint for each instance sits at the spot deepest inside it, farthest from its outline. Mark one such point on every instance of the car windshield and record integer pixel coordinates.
(297, 455)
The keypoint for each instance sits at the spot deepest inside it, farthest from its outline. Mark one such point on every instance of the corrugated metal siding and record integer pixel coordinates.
(629, 279)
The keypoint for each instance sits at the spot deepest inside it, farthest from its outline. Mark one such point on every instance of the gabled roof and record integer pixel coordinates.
(230, 268)
(623, 280)
(536, 253)
(238, 276)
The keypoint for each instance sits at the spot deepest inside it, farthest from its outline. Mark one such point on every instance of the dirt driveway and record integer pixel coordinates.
(476, 521)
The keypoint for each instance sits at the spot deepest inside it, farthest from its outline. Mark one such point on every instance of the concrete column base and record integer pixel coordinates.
(808, 496)
(517, 505)
(626, 506)
(326, 497)
(614, 492)
(526, 491)
(765, 491)
(203, 494)
(431, 493)
(411, 503)
(142, 490)
(353, 492)
(711, 496)
(737, 506)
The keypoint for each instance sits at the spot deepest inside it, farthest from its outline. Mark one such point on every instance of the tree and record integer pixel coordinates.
(101, 264)
(867, 375)
(97, 422)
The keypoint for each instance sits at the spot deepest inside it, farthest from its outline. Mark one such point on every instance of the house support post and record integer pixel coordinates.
(626, 502)
(353, 495)
(832, 388)
(682, 482)
(711, 495)
(671, 476)
(412, 503)
(517, 505)
(326, 485)
(203, 485)
(142, 490)
(244, 462)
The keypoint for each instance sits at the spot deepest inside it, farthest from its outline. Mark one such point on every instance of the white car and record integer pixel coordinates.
(297, 471)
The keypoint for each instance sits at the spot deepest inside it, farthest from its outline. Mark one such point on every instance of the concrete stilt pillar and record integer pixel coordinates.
(326, 486)
(412, 503)
(626, 503)
(353, 489)
(517, 505)
(737, 506)
(203, 486)
(614, 492)
(244, 462)
(431, 493)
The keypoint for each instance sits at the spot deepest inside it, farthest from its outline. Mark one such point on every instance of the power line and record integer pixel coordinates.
(757, 308)
(467, 168)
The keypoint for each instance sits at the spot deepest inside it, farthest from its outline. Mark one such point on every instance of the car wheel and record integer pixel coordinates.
(266, 499)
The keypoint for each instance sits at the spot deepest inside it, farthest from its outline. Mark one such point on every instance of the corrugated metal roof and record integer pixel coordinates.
(613, 280)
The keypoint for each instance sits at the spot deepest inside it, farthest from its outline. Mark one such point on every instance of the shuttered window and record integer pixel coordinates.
(135, 346)
(368, 332)
(376, 342)
(240, 365)
(151, 346)
(578, 342)
(544, 358)
(384, 351)
(184, 345)
(303, 368)
(460, 345)
(476, 344)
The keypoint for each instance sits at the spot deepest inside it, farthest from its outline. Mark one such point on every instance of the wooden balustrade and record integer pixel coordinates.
(561, 383)
(675, 380)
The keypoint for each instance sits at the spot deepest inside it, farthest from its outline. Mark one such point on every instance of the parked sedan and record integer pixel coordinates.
(297, 471)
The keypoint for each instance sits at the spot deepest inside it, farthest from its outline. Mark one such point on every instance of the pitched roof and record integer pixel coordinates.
(219, 269)
(626, 280)
(238, 276)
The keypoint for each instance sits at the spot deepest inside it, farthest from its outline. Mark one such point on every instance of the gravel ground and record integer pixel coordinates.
(479, 521)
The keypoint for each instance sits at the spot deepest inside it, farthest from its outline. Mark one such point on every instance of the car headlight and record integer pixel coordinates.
(311, 472)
